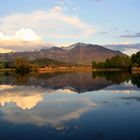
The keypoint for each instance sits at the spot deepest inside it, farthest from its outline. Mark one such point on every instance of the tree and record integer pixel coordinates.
(135, 58)
(21, 65)
(118, 61)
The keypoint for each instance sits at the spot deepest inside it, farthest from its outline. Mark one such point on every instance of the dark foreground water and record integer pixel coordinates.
(92, 106)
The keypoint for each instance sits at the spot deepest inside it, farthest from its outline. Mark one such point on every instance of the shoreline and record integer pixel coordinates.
(73, 69)
(134, 70)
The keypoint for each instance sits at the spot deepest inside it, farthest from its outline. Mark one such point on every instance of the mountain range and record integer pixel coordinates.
(78, 53)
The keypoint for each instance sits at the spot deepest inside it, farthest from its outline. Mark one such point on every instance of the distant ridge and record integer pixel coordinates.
(78, 53)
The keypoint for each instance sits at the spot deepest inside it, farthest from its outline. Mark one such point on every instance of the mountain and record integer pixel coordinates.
(78, 53)
(49, 62)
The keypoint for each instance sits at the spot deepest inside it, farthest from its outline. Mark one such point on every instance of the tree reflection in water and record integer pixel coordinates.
(115, 77)
(135, 78)
(79, 82)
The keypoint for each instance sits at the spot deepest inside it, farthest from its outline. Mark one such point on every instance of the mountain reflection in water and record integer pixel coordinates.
(52, 101)
(78, 82)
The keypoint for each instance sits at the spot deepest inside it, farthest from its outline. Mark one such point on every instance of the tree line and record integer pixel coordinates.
(120, 62)
(25, 65)
(19, 64)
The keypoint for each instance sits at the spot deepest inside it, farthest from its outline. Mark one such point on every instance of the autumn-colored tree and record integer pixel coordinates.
(21, 65)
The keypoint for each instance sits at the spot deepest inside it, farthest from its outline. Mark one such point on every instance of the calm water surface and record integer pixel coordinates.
(92, 106)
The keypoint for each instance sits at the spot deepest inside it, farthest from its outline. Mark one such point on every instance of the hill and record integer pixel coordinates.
(78, 53)
(42, 62)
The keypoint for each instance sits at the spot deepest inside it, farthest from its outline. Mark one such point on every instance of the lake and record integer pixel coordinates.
(92, 106)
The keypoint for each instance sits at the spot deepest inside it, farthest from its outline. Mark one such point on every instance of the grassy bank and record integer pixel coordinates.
(64, 69)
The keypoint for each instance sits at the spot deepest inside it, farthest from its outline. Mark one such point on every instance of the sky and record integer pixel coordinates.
(29, 25)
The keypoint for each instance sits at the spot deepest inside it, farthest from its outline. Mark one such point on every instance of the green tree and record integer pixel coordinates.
(135, 58)
(118, 61)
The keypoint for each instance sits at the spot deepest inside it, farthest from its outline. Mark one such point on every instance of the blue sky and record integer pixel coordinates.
(63, 22)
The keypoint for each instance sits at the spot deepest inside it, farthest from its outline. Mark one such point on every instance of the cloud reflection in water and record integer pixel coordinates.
(35, 106)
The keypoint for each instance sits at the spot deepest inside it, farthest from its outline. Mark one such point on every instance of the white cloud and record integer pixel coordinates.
(25, 29)
(125, 47)
(130, 51)
(26, 35)
(23, 39)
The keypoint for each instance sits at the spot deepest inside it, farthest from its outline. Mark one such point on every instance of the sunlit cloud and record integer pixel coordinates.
(23, 39)
(41, 26)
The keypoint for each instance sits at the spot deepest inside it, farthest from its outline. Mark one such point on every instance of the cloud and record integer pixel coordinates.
(23, 39)
(130, 51)
(22, 35)
(125, 47)
(23, 28)
(136, 35)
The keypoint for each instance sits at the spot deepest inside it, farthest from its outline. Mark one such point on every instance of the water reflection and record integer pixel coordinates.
(114, 77)
(78, 82)
(136, 79)
(23, 97)
(51, 111)
(53, 100)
